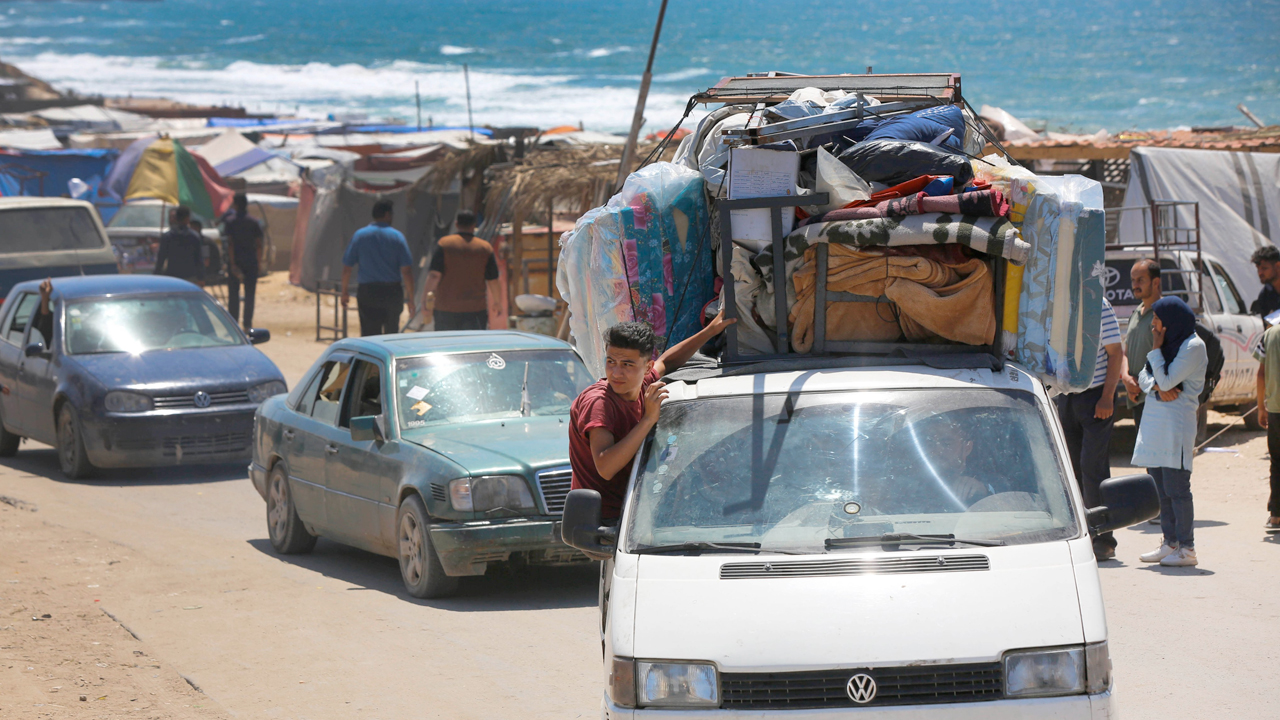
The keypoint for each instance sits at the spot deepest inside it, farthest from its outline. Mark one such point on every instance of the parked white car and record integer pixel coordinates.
(1224, 311)
(855, 542)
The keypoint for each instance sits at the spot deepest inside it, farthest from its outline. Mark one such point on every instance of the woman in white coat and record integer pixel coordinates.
(1173, 376)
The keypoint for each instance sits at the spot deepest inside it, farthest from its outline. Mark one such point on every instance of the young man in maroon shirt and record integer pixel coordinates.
(610, 419)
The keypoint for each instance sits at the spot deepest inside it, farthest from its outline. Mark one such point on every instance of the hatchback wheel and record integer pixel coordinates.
(288, 535)
(71, 455)
(419, 565)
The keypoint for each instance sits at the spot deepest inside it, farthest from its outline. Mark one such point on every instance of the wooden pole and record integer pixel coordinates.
(471, 124)
(624, 167)
(417, 96)
(551, 249)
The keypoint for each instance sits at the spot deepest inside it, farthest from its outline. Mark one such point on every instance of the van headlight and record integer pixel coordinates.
(669, 684)
(482, 494)
(259, 393)
(120, 401)
(1039, 673)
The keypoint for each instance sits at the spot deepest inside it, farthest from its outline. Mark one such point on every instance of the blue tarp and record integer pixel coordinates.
(58, 168)
(243, 162)
(401, 129)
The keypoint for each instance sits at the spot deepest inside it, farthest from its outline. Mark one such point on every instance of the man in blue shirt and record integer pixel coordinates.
(385, 279)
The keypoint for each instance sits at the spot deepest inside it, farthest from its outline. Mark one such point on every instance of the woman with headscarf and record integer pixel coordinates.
(1173, 377)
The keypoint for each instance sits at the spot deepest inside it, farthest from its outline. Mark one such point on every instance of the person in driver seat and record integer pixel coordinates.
(944, 449)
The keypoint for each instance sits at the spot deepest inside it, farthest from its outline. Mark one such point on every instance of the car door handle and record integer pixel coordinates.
(288, 434)
(331, 449)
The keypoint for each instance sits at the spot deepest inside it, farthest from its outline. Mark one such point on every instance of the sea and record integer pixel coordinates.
(1070, 65)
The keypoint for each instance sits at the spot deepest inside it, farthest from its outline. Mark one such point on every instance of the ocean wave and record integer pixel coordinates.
(603, 51)
(316, 89)
(244, 39)
(455, 50)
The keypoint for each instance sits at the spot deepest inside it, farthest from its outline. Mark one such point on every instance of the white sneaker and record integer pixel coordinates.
(1159, 554)
(1182, 557)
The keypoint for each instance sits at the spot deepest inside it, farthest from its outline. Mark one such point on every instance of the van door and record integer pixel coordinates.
(1239, 329)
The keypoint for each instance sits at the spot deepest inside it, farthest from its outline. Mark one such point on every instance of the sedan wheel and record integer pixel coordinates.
(419, 565)
(8, 442)
(71, 455)
(288, 535)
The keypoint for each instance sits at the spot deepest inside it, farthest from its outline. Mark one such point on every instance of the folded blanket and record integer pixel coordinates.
(918, 297)
(981, 203)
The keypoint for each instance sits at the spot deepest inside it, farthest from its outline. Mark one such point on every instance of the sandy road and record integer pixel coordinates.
(180, 559)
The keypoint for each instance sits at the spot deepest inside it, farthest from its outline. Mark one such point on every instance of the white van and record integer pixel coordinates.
(813, 539)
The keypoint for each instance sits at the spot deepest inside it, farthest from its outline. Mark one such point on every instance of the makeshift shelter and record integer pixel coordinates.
(41, 139)
(1238, 195)
(49, 172)
(278, 215)
(231, 153)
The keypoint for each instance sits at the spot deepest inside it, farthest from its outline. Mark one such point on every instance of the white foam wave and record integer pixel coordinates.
(317, 89)
(604, 51)
(455, 50)
(244, 39)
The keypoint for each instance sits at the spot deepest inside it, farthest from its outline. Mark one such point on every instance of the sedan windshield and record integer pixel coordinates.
(468, 387)
(138, 324)
(824, 472)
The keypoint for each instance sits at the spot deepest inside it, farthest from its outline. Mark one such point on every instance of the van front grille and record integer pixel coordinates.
(913, 685)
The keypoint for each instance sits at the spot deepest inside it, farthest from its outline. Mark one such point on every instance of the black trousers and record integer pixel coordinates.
(460, 320)
(1273, 447)
(379, 306)
(250, 283)
(1088, 443)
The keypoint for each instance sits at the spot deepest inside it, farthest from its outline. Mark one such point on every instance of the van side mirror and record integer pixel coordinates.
(257, 336)
(1126, 500)
(366, 428)
(582, 527)
(34, 349)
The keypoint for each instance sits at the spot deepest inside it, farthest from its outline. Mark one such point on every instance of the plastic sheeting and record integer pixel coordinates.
(1239, 195)
(897, 161)
(645, 255)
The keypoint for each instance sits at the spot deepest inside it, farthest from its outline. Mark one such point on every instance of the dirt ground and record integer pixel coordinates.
(165, 600)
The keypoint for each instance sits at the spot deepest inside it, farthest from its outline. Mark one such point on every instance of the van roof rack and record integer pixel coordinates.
(775, 87)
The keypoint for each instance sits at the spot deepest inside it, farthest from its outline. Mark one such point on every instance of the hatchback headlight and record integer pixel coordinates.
(120, 401)
(667, 684)
(259, 393)
(1039, 673)
(482, 494)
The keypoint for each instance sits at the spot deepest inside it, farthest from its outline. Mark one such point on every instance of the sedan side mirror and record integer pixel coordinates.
(34, 349)
(257, 336)
(582, 527)
(1126, 500)
(366, 428)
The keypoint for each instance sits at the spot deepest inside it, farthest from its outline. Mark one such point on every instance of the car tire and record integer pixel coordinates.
(420, 566)
(8, 442)
(285, 529)
(71, 455)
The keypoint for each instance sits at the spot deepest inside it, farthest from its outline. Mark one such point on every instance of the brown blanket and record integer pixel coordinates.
(919, 298)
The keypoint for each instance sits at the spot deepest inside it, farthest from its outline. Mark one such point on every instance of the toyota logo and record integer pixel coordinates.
(861, 688)
(202, 399)
(1110, 276)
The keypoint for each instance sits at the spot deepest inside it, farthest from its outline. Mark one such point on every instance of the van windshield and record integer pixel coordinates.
(27, 230)
(794, 472)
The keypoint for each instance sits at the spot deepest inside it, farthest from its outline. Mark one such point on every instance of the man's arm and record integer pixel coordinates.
(494, 295)
(259, 243)
(429, 287)
(679, 354)
(1262, 394)
(611, 457)
(1106, 404)
(410, 299)
(346, 282)
(162, 257)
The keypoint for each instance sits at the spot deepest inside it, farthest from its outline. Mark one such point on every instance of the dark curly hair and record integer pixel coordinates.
(1269, 253)
(632, 336)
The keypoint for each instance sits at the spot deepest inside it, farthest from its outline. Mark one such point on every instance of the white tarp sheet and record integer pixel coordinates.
(1239, 196)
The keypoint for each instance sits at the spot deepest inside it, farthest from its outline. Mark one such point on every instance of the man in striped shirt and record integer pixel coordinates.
(1087, 418)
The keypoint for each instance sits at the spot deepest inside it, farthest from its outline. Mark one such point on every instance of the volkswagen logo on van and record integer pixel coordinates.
(202, 400)
(861, 688)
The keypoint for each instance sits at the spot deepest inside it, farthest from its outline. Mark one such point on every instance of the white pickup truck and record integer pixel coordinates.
(848, 539)
(1223, 310)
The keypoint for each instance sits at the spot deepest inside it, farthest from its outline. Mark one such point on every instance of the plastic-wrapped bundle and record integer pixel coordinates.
(1060, 304)
(896, 161)
(645, 255)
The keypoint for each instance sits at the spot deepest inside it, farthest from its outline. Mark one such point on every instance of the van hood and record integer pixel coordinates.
(684, 610)
(499, 446)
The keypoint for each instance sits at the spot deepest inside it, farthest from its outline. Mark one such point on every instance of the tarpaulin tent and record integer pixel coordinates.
(231, 153)
(49, 172)
(161, 168)
(1239, 196)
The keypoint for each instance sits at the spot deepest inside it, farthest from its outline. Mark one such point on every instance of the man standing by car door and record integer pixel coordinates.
(1144, 278)
(1267, 261)
(386, 273)
(1087, 418)
(463, 279)
(244, 258)
(179, 255)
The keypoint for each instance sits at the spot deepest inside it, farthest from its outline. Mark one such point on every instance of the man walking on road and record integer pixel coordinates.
(1267, 261)
(1144, 278)
(179, 255)
(463, 279)
(1087, 419)
(244, 257)
(386, 273)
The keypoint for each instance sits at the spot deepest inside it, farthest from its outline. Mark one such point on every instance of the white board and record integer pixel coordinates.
(755, 173)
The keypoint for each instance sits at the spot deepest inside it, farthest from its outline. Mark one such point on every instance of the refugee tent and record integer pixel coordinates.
(278, 215)
(1238, 194)
(41, 139)
(93, 118)
(231, 153)
(50, 172)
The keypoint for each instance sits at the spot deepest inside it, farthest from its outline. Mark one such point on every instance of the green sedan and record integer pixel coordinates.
(448, 451)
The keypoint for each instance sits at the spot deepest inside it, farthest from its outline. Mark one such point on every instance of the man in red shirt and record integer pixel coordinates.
(610, 419)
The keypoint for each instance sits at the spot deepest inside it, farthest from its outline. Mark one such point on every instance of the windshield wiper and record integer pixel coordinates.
(906, 539)
(696, 546)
